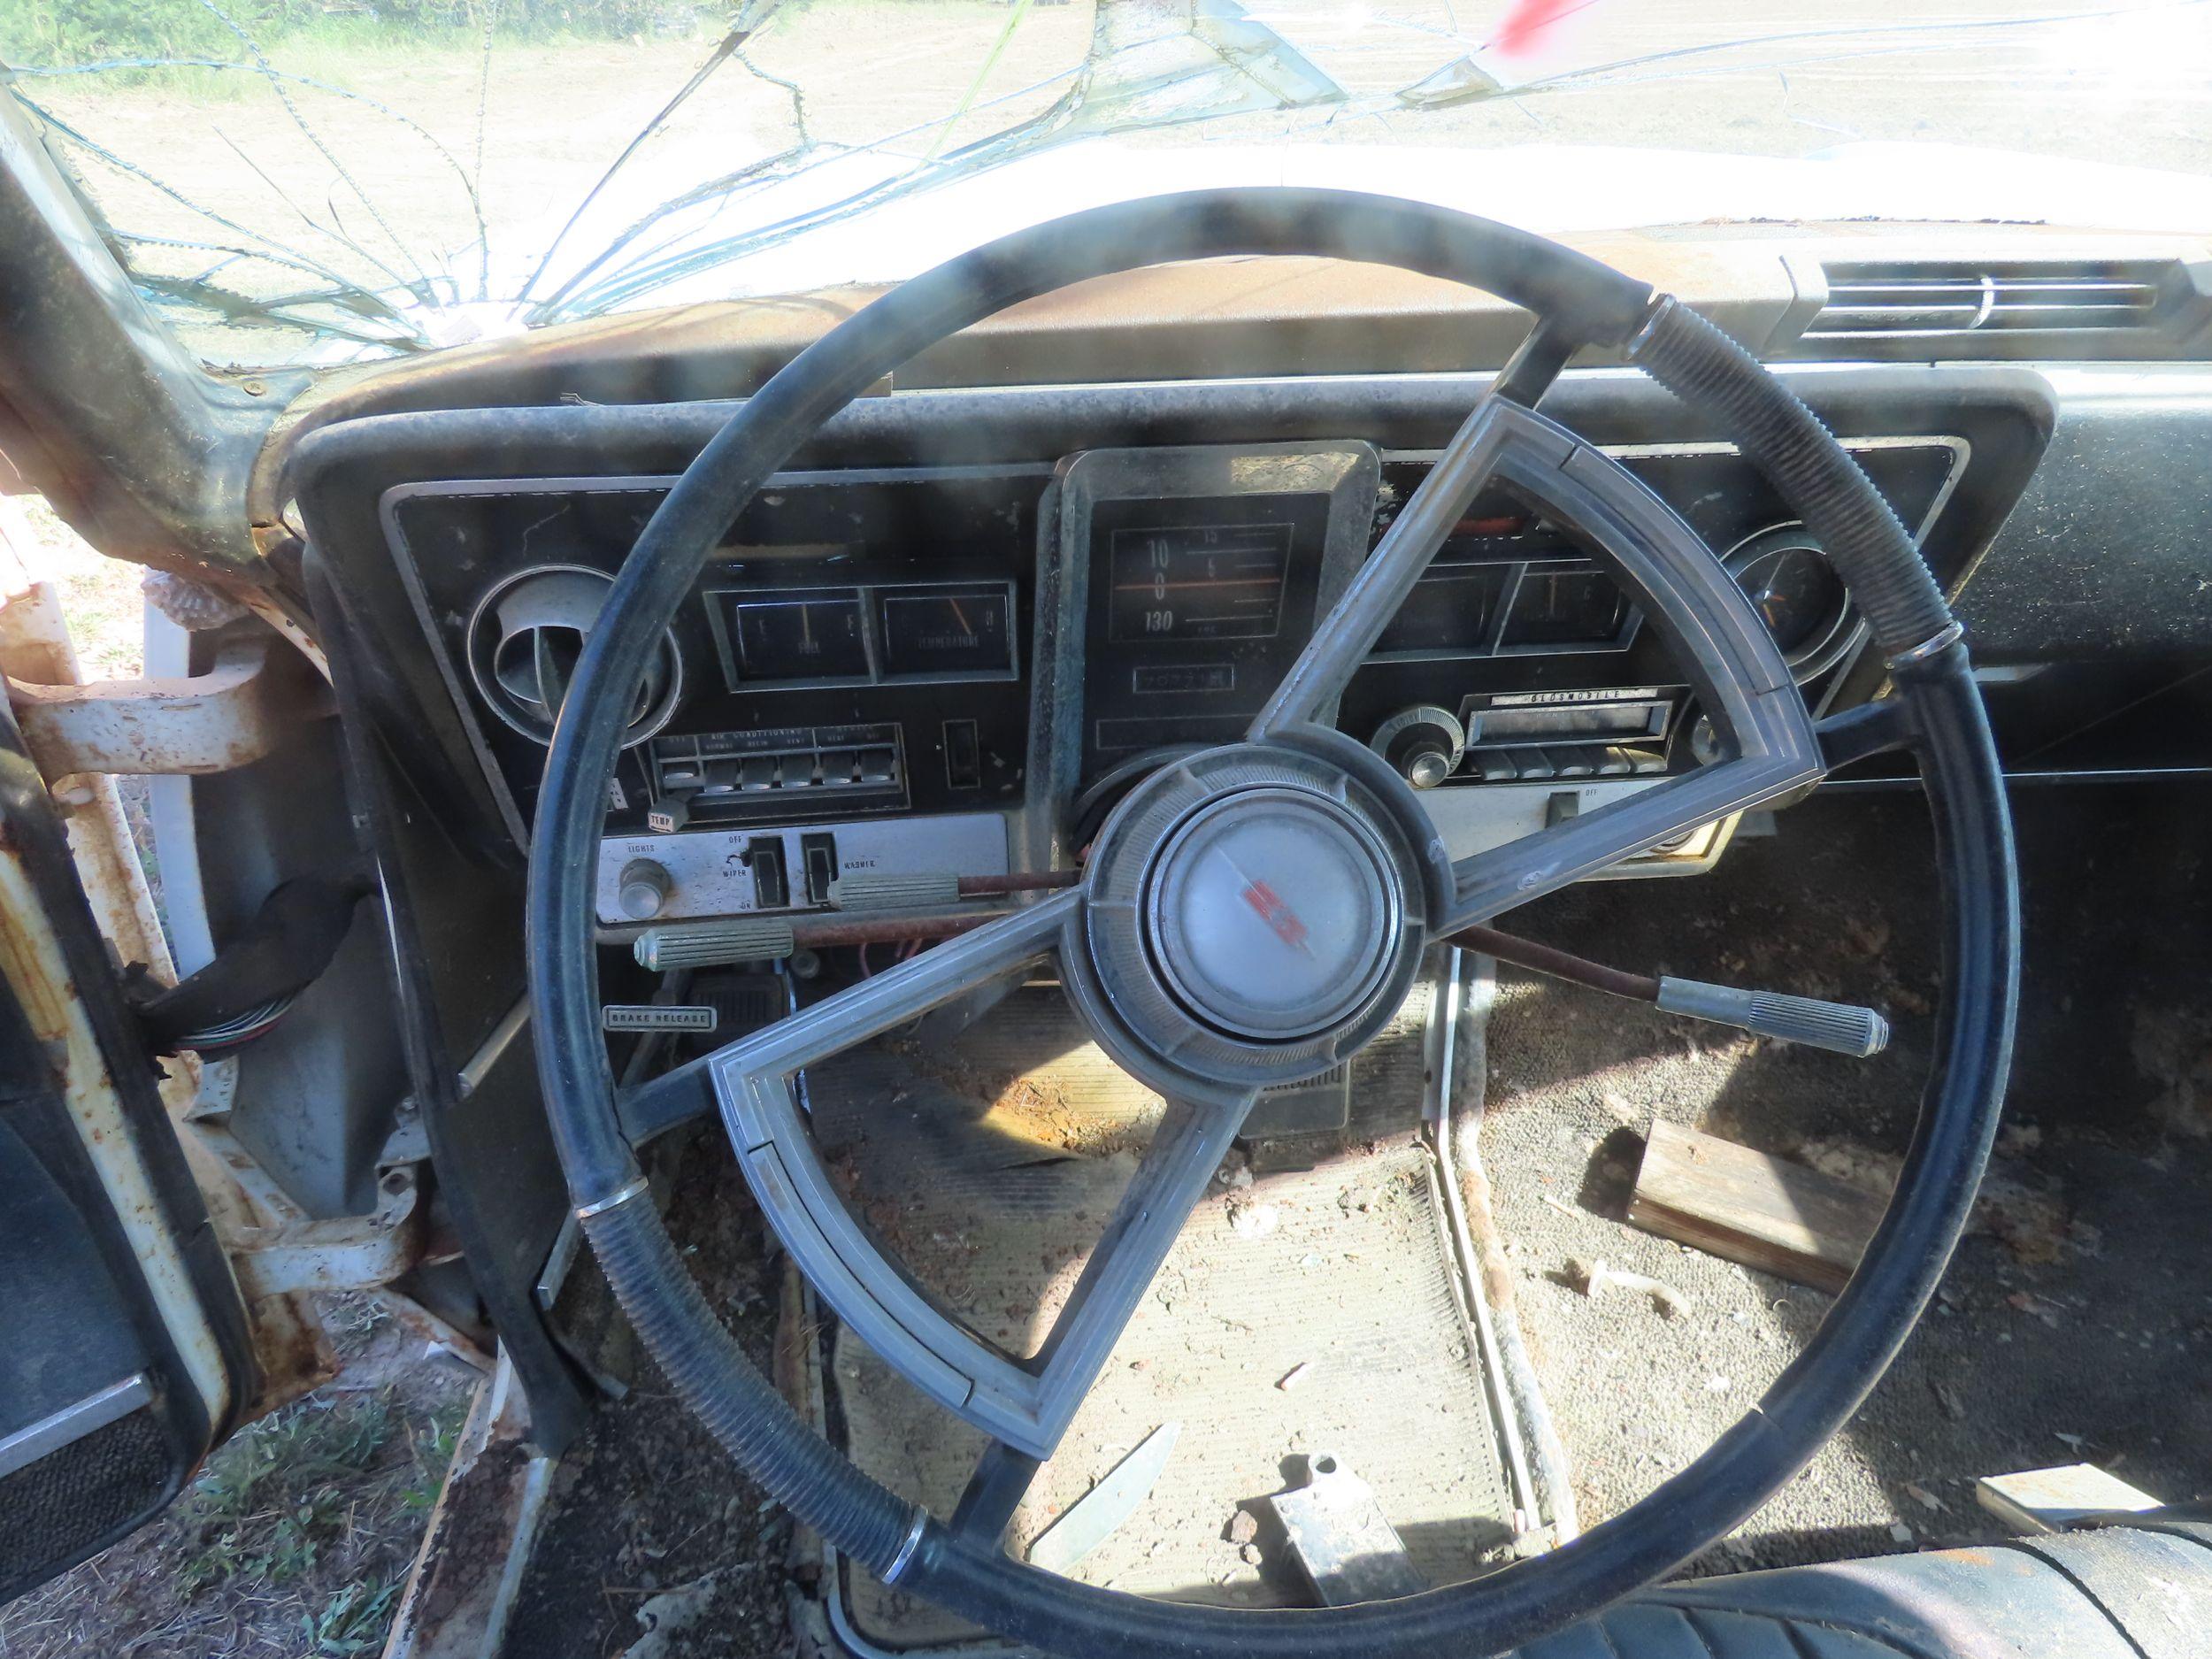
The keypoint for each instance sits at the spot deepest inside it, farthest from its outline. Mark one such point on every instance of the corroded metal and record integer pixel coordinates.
(236, 713)
(342, 1252)
(291, 1351)
(462, 1586)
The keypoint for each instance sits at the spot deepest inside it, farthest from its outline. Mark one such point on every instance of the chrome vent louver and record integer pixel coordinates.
(2007, 308)
(524, 640)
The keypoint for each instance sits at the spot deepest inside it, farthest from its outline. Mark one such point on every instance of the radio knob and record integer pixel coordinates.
(642, 889)
(1423, 742)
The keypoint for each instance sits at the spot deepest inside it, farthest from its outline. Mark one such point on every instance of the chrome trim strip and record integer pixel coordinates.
(629, 1189)
(907, 1546)
(1942, 640)
(73, 1423)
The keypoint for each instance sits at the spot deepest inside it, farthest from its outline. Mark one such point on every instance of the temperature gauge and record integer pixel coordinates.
(954, 633)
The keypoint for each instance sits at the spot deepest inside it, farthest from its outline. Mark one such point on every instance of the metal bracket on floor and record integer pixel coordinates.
(258, 690)
(1341, 1538)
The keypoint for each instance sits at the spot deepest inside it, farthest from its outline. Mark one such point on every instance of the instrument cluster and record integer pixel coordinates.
(879, 670)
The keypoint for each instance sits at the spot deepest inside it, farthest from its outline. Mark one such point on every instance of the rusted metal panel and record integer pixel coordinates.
(463, 1581)
(32, 961)
(289, 1344)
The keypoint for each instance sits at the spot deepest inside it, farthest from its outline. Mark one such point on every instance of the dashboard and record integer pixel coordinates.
(985, 597)
(959, 668)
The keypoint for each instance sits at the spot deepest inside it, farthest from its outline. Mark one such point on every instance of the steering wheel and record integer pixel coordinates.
(1254, 914)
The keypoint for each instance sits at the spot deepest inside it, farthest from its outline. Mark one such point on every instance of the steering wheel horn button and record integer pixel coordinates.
(1253, 915)
(1269, 913)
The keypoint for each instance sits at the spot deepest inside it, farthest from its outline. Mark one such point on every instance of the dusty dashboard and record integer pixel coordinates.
(847, 687)
(922, 671)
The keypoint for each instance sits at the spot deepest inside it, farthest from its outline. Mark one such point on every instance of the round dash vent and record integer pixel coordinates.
(524, 640)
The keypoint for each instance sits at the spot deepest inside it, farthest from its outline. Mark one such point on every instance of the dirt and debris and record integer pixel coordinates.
(1949, 1398)
(1594, 1278)
(2073, 1302)
(2172, 1049)
(668, 1616)
(1030, 1105)
(647, 1507)
(2024, 1210)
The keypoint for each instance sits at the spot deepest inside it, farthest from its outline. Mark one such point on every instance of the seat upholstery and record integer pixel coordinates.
(2139, 1592)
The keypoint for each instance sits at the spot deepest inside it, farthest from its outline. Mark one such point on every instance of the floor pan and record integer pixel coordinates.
(1315, 1311)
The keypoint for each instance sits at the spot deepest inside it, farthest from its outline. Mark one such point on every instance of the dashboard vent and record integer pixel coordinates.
(525, 637)
(2007, 308)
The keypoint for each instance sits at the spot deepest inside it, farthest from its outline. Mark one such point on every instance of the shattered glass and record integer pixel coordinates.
(293, 201)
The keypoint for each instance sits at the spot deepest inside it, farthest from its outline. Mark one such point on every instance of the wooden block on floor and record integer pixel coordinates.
(2052, 1500)
(1765, 1212)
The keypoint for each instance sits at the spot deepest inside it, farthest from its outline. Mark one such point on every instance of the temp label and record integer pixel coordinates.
(656, 1017)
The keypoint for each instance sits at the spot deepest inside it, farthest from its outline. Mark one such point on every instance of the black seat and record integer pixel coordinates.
(2139, 1592)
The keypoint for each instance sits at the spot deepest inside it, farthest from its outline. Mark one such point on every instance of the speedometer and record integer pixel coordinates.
(1799, 597)
(1201, 582)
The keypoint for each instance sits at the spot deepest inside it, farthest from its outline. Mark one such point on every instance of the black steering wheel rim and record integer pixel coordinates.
(1576, 302)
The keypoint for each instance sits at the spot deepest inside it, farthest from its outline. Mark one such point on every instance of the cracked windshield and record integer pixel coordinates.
(319, 181)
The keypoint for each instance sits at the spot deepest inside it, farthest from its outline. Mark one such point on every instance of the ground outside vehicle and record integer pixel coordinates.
(1129, 888)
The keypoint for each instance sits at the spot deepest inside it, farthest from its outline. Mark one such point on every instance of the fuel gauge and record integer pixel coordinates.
(796, 636)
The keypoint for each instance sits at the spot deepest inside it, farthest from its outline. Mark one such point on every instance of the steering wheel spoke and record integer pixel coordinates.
(893, 997)
(1025, 1404)
(1187, 1151)
(1309, 691)
(1486, 883)
(1768, 744)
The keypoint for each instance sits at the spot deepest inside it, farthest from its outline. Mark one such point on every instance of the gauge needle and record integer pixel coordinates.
(961, 617)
